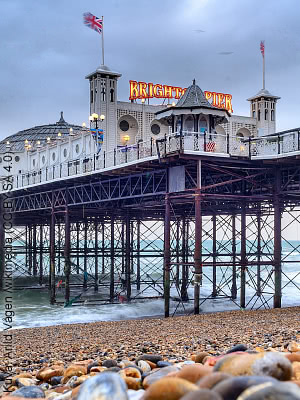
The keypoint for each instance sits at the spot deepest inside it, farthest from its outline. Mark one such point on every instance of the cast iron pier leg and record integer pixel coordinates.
(112, 259)
(258, 279)
(167, 255)
(96, 257)
(243, 256)
(85, 254)
(198, 251)
(52, 256)
(41, 253)
(277, 241)
(233, 287)
(214, 250)
(138, 260)
(67, 253)
(127, 258)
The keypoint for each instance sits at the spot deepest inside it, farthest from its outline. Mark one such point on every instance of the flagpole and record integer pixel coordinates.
(264, 70)
(102, 40)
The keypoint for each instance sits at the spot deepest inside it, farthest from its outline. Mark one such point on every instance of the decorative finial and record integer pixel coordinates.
(194, 81)
(61, 121)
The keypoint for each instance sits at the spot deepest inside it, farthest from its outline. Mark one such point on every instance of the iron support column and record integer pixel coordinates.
(103, 247)
(85, 255)
(138, 250)
(34, 251)
(52, 256)
(234, 286)
(112, 259)
(243, 256)
(198, 251)
(214, 250)
(258, 280)
(167, 255)
(127, 258)
(184, 295)
(41, 254)
(67, 252)
(96, 258)
(277, 240)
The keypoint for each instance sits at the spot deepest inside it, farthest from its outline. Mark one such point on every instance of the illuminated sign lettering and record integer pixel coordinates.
(143, 90)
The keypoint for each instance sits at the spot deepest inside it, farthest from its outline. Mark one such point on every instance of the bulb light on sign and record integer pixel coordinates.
(143, 90)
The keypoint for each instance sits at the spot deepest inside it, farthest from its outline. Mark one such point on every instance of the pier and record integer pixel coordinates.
(158, 218)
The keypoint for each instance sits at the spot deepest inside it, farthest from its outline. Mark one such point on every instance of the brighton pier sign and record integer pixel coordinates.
(143, 90)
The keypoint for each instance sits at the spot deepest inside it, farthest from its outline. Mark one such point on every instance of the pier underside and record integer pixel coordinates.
(187, 229)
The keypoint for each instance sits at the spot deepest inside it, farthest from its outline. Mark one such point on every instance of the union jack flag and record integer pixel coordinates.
(92, 22)
(262, 47)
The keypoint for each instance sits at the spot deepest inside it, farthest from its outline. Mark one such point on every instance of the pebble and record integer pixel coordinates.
(55, 380)
(109, 363)
(158, 374)
(198, 358)
(201, 394)
(29, 392)
(230, 389)
(267, 391)
(105, 386)
(270, 364)
(20, 382)
(193, 373)
(237, 347)
(169, 389)
(209, 381)
(162, 364)
(144, 366)
(154, 358)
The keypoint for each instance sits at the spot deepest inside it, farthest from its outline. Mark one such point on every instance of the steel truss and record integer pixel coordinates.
(223, 237)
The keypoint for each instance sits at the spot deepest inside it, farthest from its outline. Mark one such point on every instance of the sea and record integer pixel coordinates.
(32, 307)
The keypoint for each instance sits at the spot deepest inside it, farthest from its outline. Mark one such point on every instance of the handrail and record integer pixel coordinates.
(210, 143)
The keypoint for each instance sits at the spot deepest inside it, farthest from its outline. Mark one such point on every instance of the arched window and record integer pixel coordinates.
(266, 115)
(272, 115)
(112, 95)
(189, 124)
(203, 125)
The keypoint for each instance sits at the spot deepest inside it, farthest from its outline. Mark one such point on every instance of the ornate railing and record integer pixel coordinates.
(210, 144)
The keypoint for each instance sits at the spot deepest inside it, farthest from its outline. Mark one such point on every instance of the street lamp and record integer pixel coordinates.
(95, 118)
(126, 138)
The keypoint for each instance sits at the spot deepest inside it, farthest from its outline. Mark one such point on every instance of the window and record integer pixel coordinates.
(103, 94)
(65, 152)
(203, 125)
(253, 114)
(266, 115)
(124, 125)
(53, 156)
(17, 159)
(112, 95)
(272, 115)
(77, 148)
(33, 163)
(258, 115)
(43, 159)
(155, 129)
(0, 159)
(92, 96)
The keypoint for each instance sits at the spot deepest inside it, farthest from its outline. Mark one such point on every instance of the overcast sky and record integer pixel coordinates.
(46, 51)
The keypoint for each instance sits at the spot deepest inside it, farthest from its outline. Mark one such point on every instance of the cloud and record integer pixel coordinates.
(47, 54)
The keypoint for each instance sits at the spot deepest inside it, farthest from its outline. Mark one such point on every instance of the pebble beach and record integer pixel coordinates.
(158, 358)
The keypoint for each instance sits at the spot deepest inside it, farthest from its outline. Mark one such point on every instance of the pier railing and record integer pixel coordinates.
(210, 144)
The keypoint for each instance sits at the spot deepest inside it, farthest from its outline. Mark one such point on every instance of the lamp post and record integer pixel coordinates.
(94, 119)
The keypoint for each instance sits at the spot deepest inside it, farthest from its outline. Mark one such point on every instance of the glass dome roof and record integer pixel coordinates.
(17, 140)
